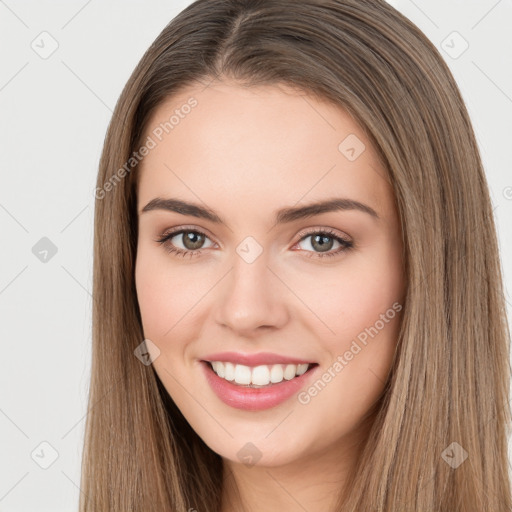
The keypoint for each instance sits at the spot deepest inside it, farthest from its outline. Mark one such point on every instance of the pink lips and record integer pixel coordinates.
(254, 399)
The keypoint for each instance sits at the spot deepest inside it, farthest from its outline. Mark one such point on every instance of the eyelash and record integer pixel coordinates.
(164, 239)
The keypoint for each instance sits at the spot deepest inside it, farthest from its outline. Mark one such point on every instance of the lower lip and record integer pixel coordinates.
(254, 399)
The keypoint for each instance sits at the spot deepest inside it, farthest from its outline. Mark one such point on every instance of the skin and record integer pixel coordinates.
(244, 153)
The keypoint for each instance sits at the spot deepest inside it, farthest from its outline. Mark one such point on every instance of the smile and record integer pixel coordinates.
(256, 388)
(258, 376)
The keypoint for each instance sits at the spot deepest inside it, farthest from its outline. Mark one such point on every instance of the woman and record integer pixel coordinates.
(298, 298)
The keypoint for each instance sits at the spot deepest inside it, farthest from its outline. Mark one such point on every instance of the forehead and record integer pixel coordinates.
(233, 145)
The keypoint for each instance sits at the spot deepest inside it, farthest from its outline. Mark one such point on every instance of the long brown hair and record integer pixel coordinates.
(449, 382)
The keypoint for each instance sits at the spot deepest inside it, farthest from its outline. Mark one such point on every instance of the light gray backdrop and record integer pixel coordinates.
(63, 65)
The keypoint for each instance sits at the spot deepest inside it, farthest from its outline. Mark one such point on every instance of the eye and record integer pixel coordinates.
(192, 241)
(323, 241)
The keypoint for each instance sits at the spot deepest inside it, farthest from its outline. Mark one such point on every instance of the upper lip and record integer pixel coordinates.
(261, 358)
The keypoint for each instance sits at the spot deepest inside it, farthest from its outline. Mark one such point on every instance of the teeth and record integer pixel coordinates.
(290, 371)
(302, 368)
(276, 373)
(229, 371)
(242, 374)
(262, 375)
(219, 369)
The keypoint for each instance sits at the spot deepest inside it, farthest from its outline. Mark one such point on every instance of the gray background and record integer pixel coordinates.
(55, 110)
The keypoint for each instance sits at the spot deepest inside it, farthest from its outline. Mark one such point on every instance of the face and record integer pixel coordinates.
(262, 278)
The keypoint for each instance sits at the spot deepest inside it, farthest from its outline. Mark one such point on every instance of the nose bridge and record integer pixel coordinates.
(251, 297)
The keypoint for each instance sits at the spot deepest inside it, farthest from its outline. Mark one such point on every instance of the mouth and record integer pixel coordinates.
(260, 376)
(257, 387)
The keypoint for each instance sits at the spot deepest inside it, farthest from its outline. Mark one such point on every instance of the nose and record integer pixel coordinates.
(253, 298)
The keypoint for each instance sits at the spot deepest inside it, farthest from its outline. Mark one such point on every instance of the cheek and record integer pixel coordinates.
(364, 311)
(170, 302)
(158, 293)
(366, 321)
(352, 298)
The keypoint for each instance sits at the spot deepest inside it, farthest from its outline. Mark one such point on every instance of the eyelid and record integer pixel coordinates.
(306, 231)
(177, 230)
(312, 230)
(327, 230)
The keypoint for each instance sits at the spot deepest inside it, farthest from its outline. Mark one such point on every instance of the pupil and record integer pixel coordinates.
(189, 240)
(323, 245)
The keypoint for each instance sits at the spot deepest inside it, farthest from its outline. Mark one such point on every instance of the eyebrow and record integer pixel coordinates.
(282, 216)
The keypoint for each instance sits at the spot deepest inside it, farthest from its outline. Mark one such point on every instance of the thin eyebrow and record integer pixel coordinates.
(283, 216)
